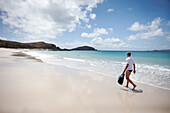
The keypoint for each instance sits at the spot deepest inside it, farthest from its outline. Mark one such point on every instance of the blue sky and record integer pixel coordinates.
(103, 24)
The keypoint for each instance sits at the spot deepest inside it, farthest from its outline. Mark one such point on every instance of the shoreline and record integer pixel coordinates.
(31, 86)
(20, 53)
(102, 74)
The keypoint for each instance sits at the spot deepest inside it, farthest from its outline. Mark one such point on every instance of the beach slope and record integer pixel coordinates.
(28, 85)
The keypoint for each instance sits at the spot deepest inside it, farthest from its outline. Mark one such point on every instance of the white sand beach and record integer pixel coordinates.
(28, 85)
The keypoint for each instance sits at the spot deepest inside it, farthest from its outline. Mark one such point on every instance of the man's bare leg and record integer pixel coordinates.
(128, 80)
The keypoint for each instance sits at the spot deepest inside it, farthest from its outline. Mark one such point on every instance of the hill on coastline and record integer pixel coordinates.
(39, 45)
(166, 50)
(84, 48)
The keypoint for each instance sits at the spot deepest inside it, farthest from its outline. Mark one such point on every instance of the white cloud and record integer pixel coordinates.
(3, 38)
(70, 45)
(137, 27)
(168, 23)
(151, 26)
(98, 43)
(45, 18)
(168, 38)
(85, 35)
(150, 35)
(93, 16)
(132, 37)
(108, 43)
(149, 31)
(88, 26)
(96, 33)
(110, 10)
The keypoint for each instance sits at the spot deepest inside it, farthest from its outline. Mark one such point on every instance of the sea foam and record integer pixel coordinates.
(155, 75)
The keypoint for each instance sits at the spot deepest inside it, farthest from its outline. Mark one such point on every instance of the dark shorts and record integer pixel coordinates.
(130, 70)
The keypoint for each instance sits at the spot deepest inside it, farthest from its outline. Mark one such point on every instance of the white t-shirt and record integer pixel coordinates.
(130, 61)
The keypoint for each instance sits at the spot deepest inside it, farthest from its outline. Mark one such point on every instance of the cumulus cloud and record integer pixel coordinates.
(93, 16)
(110, 10)
(88, 26)
(149, 31)
(138, 27)
(132, 37)
(96, 33)
(151, 26)
(98, 43)
(108, 43)
(71, 45)
(146, 35)
(37, 19)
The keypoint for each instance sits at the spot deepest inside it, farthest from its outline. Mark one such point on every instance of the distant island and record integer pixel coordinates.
(40, 45)
(84, 48)
(166, 50)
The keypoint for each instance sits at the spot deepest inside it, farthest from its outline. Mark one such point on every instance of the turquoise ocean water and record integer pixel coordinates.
(153, 68)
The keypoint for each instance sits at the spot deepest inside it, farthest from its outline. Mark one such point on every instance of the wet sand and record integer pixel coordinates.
(28, 85)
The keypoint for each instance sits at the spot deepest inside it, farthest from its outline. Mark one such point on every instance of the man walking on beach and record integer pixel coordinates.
(128, 70)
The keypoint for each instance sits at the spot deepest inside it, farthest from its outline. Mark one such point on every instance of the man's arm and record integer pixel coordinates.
(134, 71)
(125, 68)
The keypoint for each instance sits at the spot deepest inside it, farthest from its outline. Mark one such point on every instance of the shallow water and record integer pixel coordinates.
(152, 68)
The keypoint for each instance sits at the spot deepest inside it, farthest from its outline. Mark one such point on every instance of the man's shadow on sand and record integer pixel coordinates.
(134, 91)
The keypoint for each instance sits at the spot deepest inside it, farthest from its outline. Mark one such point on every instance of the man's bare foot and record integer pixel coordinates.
(134, 87)
(126, 86)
